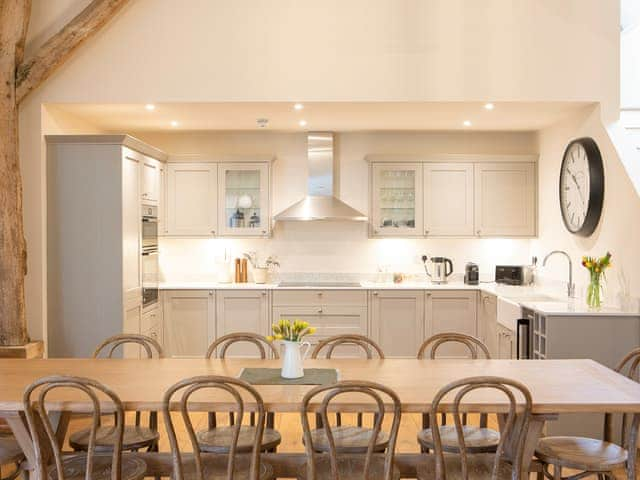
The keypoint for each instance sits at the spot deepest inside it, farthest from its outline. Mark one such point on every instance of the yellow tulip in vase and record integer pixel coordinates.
(291, 335)
(596, 267)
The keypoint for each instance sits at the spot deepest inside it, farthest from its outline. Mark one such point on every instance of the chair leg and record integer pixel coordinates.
(557, 472)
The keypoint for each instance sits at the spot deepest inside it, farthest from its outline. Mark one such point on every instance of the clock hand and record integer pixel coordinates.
(573, 177)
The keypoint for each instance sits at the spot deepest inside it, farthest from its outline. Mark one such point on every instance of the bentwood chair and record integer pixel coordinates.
(233, 464)
(343, 465)
(590, 456)
(136, 436)
(478, 439)
(348, 438)
(217, 439)
(10, 453)
(467, 465)
(89, 465)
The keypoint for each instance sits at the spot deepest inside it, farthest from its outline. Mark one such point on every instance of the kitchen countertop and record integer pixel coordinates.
(528, 297)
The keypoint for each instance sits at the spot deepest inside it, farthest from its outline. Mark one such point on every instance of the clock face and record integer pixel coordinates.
(581, 186)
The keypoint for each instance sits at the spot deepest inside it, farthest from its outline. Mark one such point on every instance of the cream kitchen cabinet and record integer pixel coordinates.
(192, 190)
(451, 311)
(189, 322)
(243, 199)
(130, 324)
(151, 324)
(397, 321)
(448, 199)
(396, 199)
(150, 192)
(242, 311)
(506, 339)
(488, 322)
(505, 199)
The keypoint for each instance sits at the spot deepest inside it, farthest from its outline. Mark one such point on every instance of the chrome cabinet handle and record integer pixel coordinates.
(264, 232)
(426, 232)
(264, 294)
(375, 294)
(210, 292)
(320, 311)
(213, 232)
(478, 232)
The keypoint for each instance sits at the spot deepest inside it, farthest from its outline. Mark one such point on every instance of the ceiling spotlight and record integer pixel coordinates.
(150, 106)
(489, 106)
(262, 122)
(174, 123)
(467, 123)
(302, 123)
(298, 106)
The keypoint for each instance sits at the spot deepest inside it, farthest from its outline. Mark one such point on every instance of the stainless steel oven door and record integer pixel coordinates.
(149, 228)
(150, 277)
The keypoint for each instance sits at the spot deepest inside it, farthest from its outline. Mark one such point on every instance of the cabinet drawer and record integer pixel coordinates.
(320, 297)
(150, 320)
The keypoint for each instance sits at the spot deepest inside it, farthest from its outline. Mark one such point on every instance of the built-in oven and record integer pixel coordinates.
(150, 269)
(149, 227)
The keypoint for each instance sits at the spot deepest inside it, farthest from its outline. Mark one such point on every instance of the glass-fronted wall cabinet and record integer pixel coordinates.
(243, 199)
(397, 200)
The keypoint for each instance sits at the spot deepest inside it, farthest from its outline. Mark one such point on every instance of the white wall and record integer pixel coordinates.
(619, 229)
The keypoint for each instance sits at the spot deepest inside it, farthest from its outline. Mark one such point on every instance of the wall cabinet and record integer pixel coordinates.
(448, 199)
(189, 322)
(451, 311)
(488, 322)
(506, 339)
(242, 311)
(192, 199)
(397, 321)
(505, 199)
(150, 192)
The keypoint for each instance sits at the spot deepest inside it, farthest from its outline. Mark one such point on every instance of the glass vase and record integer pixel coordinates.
(595, 291)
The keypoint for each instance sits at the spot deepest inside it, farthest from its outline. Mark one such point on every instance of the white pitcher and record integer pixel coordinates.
(292, 359)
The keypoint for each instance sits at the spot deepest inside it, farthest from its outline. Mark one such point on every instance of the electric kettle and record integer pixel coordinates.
(441, 268)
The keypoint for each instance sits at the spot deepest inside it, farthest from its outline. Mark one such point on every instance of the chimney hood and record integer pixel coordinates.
(320, 202)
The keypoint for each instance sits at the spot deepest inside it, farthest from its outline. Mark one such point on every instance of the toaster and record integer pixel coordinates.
(514, 274)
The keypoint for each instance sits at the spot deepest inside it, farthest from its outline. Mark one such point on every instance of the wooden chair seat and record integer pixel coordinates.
(348, 439)
(218, 440)
(10, 451)
(479, 467)
(579, 453)
(350, 467)
(135, 437)
(476, 439)
(215, 468)
(74, 467)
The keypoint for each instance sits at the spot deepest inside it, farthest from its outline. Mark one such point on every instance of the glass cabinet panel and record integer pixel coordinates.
(397, 199)
(244, 199)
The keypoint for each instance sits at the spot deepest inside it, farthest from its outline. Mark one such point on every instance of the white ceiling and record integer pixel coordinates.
(333, 116)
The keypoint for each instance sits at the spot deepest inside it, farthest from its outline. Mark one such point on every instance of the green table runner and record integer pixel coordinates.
(271, 376)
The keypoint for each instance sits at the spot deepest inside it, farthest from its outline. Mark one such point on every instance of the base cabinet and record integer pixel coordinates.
(189, 321)
(488, 322)
(506, 343)
(451, 311)
(242, 311)
(397, 321)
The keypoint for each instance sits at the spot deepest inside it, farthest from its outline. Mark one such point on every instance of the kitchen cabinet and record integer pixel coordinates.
(150, 193)
(448, 199)
(130, 324)
(451, 311)
(151, 324)
(506, 340)
(242, 311)
(396, 199)
(243, 199)
(505, 199)
(189, 322)
(397, 321)
(488, 322)
(192, 199)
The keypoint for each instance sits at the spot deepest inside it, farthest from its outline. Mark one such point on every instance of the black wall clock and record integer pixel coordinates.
(581, 186)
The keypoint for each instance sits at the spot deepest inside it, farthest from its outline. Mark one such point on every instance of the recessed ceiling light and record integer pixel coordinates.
(467, 123)
(489, 106)
(150, 106)
(302, 123)
(298, 106)
(174, 123)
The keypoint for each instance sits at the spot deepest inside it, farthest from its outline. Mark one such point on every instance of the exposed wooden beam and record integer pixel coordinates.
(59, 48)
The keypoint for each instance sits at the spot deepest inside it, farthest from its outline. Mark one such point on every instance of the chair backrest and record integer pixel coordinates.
(148, 344)
(47, 445)
(234, 388)
(226, 341)
(434, 342)
(361, 341)
(380, 395)
(516, 423)
(629, 366)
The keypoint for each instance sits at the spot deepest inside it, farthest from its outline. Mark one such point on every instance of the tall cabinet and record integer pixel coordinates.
(95, 184)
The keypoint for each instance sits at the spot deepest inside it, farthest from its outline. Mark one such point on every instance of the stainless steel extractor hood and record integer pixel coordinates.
(320, 202)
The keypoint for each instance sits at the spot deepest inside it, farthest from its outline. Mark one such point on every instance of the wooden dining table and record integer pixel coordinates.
(557, 387)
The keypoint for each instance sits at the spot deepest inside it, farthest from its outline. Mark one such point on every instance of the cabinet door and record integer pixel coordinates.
(451, 311)
(243, 199)
(506, 345)
(242, 311)
(505, 199)
(131, 225)
(151, 325)
(192, 198)
(162, 200)
(396, 203)
(448, 199)
(189, 322)
(131, 324)
(397, 321)
(150, 181)
(488, 323)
